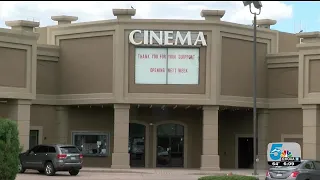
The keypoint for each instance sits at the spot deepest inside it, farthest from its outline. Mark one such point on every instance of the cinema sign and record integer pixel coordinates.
(168, 38)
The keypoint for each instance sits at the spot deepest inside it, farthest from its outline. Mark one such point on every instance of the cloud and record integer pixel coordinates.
(99, 10)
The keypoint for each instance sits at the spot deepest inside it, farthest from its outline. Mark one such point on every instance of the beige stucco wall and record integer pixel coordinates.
(44, 118)
(47, 70)
(17, 64)
(290, 120)
(13, 67)
(237, 58)
(43, 31)
(283, 82)
(309, 92)
(308, 66)
(47, 77)
(83, 61)
(3, 110)
(288, 42)
(314, 76)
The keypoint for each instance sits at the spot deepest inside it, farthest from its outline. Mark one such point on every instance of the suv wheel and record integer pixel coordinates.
(49, 169)
(21, 169)
(74, 172)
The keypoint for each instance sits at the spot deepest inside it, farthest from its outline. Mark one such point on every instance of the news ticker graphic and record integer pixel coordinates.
(285, 163)
(284, 154)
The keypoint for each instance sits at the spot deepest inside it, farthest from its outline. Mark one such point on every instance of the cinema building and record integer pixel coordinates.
(160, 93)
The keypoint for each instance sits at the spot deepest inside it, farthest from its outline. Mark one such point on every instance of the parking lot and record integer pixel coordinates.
(105, 176)
(132, 174)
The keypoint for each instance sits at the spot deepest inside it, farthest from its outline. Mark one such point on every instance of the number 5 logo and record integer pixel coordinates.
(275, 151)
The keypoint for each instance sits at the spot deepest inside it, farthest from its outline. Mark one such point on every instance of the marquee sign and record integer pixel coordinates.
(167, 65)
(168, 38)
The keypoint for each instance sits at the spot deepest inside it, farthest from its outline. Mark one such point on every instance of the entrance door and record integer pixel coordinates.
(137, 145)
(245, 152)
(33, 138)
(176, 152)
(170, 145)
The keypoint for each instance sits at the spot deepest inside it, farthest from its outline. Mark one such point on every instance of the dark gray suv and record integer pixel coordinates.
(49, 159)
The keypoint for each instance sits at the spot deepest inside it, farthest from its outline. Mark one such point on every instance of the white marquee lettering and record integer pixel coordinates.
(145, 37)
(167, 38)
(131, 37)
(201, 38)
(168, 35)
(182, 41)
(155, 37)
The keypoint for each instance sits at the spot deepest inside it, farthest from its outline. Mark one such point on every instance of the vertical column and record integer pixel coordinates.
(263, 116)
(120, 155)
(210, 159)
(19, 111)
(63, 124)
(311, 132)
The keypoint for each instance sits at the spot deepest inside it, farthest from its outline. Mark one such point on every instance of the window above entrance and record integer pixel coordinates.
(170, 130)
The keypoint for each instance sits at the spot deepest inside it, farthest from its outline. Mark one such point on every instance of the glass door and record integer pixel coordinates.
(170, 145)
(170, 151)
(176, 153)
(137, 151)
(33, 138)
(163, 152)
(136, 145)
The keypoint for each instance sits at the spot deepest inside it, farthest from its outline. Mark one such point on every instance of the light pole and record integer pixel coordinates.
(257, 5)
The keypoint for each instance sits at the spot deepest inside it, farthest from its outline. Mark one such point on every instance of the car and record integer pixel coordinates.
(307, 170)
(48, 159)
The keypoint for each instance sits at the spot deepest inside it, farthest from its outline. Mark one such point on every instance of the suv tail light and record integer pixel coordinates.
(61, 156)
(81, 156)
(267, 174)
(294, 174)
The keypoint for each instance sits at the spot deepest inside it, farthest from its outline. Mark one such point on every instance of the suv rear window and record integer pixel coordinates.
(69, 150)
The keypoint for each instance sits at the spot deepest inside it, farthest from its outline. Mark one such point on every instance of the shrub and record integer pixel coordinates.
(9, 149)
(225, 177)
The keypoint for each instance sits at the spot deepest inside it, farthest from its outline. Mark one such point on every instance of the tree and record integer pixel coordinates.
(9, 149)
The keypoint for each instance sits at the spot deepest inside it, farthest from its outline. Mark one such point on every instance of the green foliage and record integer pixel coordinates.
(9, 149)
(231, 177)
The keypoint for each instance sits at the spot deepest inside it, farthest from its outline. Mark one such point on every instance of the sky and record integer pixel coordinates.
(291, 16)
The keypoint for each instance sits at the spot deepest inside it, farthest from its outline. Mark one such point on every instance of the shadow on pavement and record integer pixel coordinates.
(39, 174)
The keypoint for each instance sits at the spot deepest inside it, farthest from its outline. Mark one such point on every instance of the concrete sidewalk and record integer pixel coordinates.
(176, 172)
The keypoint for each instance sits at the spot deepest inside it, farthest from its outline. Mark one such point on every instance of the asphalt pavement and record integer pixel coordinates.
(102, 174)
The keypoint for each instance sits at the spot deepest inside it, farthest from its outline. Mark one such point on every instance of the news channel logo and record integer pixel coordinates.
(284, 154)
